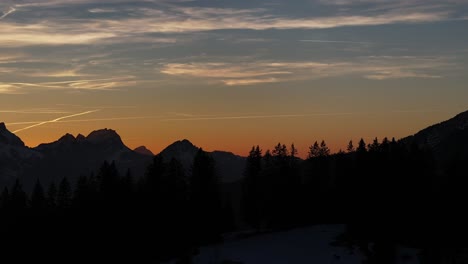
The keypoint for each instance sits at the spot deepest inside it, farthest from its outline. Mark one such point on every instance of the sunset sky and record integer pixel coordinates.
(228, 74)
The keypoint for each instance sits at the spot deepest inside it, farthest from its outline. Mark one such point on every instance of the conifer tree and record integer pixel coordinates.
(324, 151)
(252, 193)
(314, 151)
(205, 198)
(350, 147)
(52, 196)
(64, 194)
(38, 199)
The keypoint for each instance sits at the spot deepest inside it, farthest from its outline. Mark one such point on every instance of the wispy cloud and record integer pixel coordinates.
(54, 120)
(74, 72)
(334, 41)
(34, 111)
(239, 82)
(103, 10)
(249, 73)
(66, 30)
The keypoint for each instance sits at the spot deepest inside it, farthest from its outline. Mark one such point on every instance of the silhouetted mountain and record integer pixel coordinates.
(448, 140)
(8, 138)
(74, 157)
(15, 157)
(69, 156)
(143, 150)
(229, 166)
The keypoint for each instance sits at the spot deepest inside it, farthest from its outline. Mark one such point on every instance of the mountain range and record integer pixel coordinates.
(72, 156)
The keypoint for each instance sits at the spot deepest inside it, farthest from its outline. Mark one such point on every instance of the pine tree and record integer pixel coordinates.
(4, 198)
(82, 193)
(154, 175)
(324, 151)
(314, 151)
(361, 146)
(108, 178)
(350, 147)
(64, 194)
(251, 199)
(375, 146)
(52, 196)
(280, 151)
(205, 199)
(293, 152)
(38, 199)
(18, 197)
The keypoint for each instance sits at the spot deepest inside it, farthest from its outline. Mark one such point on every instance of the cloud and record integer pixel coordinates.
(257, 72)
(238, 82)
(14, 35)
(8, 89)
(65, 29)
(103, 10)
(74, 72)
(34, 111)
(218, 70)
(333, 41)
(385, 75)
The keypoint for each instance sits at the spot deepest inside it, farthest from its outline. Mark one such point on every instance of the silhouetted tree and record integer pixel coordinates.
(361, 146)
(350, 148)
(64, 194)
(18, 199)
(82, 196)
(280, 152)
(314, 151)
(252, 192)
(38, 199)
(205, 198)
(324, 151)
(52, 196)
(375, 146)
(4, 198)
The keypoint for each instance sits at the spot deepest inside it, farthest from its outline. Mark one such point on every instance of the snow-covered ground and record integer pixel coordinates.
(305, 245)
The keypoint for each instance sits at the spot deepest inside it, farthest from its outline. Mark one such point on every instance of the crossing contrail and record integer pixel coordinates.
(54, 120)
(5, 14)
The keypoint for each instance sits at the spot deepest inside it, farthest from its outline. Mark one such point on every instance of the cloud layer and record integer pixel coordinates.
(374, 68)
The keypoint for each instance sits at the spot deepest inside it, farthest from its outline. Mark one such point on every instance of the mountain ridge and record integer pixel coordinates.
(447, 139)
(83, 155)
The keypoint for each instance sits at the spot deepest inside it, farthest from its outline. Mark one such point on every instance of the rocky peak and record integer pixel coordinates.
(144, 151)
(8, 138)
(105, 136)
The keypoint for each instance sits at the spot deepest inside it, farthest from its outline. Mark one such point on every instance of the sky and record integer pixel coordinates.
(229, 74)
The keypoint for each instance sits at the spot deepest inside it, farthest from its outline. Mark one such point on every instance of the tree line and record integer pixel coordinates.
(170, 213)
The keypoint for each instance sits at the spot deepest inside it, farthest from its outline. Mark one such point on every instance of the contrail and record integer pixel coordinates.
(88, 120)
(253, 117)
(55, 120)
(162, 118)
(5, 14)
(333, 41)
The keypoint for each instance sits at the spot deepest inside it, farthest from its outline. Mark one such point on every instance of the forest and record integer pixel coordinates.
(387, 192)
